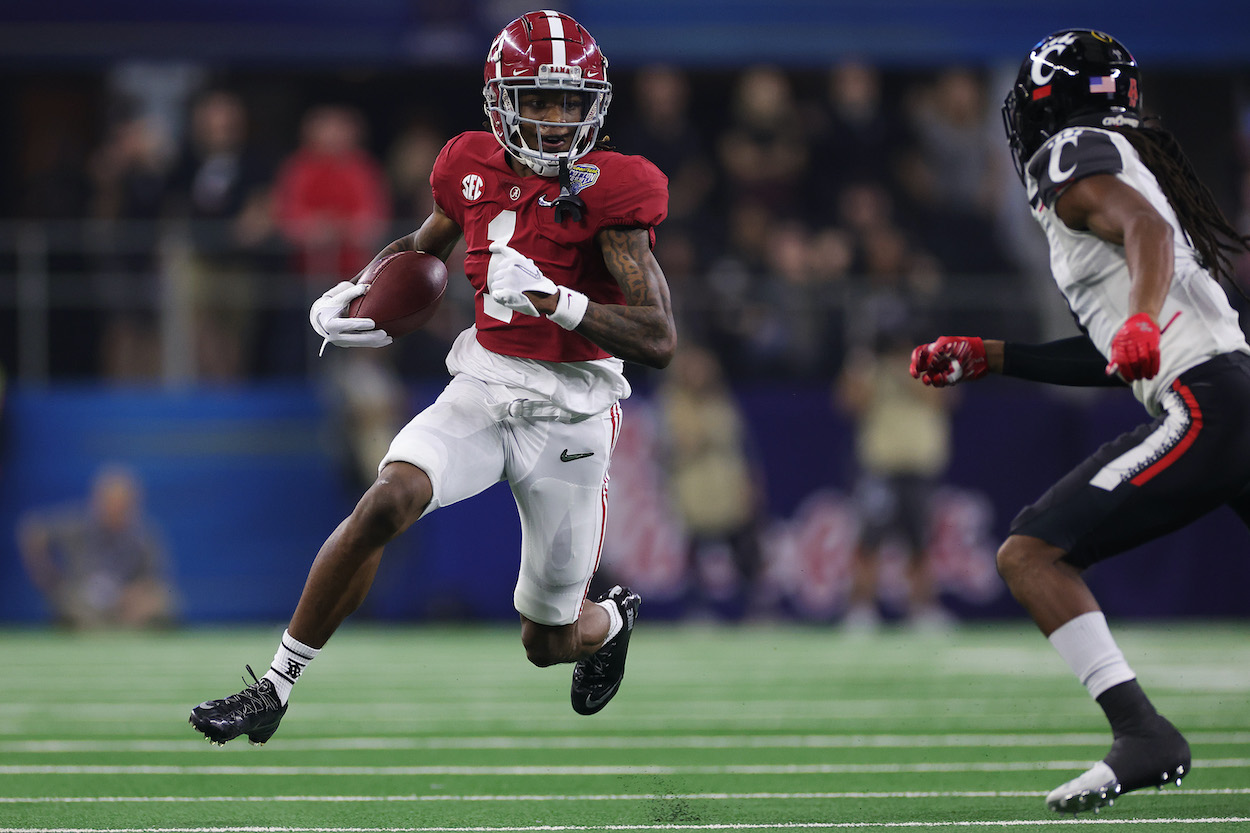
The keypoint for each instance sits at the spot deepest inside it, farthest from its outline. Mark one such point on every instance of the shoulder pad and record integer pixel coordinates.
(1068, 156)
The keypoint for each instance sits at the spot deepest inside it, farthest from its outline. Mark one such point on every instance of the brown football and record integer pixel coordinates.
(404, 293)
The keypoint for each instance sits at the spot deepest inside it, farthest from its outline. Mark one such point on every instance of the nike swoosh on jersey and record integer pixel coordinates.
(565, 457)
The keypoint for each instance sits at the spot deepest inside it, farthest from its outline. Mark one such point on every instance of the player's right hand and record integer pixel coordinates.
(949, 360)
(510, 274)
(1135, 349)
(326, 317)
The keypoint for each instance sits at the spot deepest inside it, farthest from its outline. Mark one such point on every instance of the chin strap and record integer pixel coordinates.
(568, 205)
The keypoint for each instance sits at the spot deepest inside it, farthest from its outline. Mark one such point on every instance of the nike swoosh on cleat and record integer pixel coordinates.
(565, 457)
(595, 703)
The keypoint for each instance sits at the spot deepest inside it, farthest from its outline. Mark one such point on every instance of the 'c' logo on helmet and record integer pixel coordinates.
(1043, 70)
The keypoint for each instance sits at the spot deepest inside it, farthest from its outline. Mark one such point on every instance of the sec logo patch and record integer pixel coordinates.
(471, 187)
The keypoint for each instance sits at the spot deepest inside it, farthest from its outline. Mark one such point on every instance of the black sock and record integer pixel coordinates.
(1128, 709)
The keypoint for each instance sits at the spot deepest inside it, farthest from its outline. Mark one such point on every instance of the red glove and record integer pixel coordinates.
(948, 360)
(1135, 349)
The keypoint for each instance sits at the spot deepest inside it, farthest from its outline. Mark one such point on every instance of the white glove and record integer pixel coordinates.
(326, 317)
(511, 274)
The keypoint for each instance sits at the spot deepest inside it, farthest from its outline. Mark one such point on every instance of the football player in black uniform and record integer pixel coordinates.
(1137, 246)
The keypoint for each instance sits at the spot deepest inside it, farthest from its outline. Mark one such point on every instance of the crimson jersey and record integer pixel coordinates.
(475, 186)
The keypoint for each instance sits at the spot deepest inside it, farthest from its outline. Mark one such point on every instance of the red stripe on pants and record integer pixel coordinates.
(1195, 425)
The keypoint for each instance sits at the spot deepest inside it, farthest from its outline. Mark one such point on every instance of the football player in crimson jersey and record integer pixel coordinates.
(558, 233)
(1137, 245)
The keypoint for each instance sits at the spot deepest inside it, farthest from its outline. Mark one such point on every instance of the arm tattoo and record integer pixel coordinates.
(624, 255)
(642, 330)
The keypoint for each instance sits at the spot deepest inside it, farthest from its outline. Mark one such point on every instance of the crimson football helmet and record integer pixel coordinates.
(545, 50)
(1074, 76)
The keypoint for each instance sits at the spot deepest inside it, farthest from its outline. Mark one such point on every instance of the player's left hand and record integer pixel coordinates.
(511, 274)
(326, 317)
(949, 360)
(1135, 349)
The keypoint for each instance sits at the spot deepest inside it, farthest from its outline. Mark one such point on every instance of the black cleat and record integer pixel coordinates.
(1134, 762)
(597, 678)
(255, 711)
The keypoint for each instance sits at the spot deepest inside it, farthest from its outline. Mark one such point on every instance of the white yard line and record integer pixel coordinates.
(561, 828)
(641, 769)
(806, 741)
(418, 799)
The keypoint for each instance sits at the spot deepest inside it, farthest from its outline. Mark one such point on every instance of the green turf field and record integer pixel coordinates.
(748, 728)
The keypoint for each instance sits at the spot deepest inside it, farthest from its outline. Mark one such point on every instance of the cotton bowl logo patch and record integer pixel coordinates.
(581, 177)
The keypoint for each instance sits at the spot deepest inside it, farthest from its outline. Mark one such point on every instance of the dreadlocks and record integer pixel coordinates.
(1211, 235)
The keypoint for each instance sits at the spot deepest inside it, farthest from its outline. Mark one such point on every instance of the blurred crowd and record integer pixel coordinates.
(812, 213)
(170, 224)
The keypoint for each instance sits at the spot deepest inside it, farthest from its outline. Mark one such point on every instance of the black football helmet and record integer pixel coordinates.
(1074, 76)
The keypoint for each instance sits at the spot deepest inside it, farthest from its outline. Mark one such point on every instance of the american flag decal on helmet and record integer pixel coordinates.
(1101, 84)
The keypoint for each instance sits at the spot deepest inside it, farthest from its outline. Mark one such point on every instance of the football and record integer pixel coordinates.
(404, 293)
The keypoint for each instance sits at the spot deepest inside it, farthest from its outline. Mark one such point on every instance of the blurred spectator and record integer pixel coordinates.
(662, 129)
(370, 403)
(954, 143)
(832, 253)
(891, 264)
(857, 139)
(724, 302)
(892, 276)
(50, 151)
(221, 185)
(953, 174)
(129, 173)
(102, 564)
(332, 205)
(408, 164)
(155, 91)
(885, 254)
(770, 301)
(902, 447)
(763, 150)
(331, 198)
(864, 207)
(789, 324)
(715, 488)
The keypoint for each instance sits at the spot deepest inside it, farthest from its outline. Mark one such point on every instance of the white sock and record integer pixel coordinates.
(614, 618)
(288, 663)
(1086, 644)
